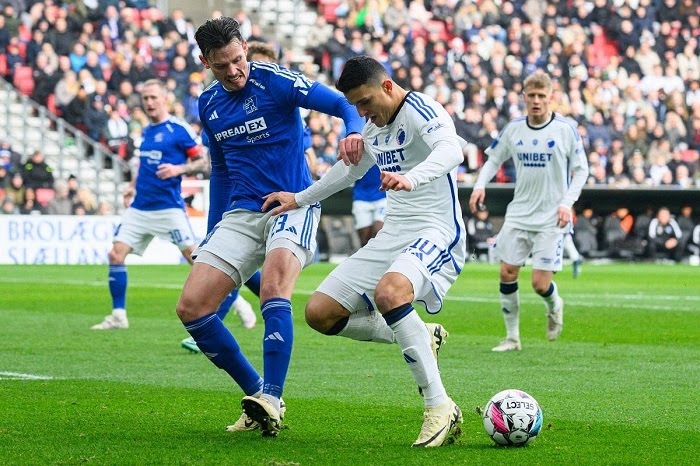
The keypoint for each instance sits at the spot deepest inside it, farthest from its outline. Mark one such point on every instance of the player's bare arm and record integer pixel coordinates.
(350, 149)
(477, 199)
(285, 199)
(169, 170)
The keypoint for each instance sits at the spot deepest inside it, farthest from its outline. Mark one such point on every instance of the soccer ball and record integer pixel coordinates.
(512, 417)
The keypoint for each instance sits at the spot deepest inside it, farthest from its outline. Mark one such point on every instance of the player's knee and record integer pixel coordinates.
(115, 258)
(315, 316)
(387, 297)
(540, 287)
(186, 308)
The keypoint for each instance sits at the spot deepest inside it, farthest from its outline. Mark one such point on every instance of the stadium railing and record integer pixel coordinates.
(28, 126)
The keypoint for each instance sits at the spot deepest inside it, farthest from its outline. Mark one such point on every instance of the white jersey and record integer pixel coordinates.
(420, 143)
(544, 158)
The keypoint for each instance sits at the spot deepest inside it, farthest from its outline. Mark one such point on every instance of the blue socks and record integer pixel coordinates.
(218, 344)
(117, 285)
(277, 344)
(226, 304)
(253, 283)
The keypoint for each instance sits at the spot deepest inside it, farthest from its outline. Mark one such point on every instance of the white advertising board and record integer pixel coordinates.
(66, 239)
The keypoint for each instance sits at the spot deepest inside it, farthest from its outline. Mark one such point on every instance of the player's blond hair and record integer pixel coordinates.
(538, 80)
(261, 48)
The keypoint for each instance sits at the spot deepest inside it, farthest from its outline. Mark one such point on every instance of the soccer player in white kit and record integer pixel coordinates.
(421, 249)
(551, 169)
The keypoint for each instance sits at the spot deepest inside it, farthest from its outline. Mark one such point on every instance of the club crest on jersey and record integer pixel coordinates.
(401, 136)
(550, 143)
(158, 137)
(250, 105)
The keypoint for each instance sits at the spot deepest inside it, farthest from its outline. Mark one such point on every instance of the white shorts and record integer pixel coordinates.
(513, 246)
(139, 227)
(431, 268)
(242, 238)
(366, 213)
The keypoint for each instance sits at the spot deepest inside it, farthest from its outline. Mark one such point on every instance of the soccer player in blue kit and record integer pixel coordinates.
(250, 114)
(169, 150)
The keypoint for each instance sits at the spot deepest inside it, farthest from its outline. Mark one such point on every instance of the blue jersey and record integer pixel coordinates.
(172, 141)
(256, 138)
(367, 187)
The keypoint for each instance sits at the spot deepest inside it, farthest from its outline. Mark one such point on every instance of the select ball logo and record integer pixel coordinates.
(512, 417)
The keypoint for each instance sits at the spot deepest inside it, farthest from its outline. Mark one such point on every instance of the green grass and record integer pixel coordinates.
(619, 387)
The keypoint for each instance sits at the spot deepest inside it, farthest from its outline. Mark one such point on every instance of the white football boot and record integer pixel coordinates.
(441, 425)
(245, 312)
(555, 320)
(507, 345)
(112, 322)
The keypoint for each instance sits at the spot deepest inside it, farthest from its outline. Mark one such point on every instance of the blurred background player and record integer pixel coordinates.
(546, 150)
(573, 254)
(368, 205)
(169, 150)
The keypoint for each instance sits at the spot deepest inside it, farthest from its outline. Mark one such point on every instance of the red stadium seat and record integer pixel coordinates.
(51, 104)
(24, 80)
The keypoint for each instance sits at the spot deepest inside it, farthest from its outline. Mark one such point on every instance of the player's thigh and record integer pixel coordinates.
(135, 230)
(431, 267)
(294, 230)
(513, 246)
(548, 250)
(236, 245)
(205, 288)
(353, 281)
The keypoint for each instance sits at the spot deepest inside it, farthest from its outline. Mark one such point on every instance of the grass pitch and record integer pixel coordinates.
(619, 387)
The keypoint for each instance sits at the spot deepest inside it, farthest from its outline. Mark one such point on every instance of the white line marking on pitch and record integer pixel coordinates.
(21, 376)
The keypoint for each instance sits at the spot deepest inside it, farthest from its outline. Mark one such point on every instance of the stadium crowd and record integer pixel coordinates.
(627, 71)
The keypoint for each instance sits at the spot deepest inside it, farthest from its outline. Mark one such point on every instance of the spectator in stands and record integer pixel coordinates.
(9, 207)
(664, 237)
(687, 224)
(16, 189)
(45, 79)
(95, 118)
(5, 35)
(66, 90)
(116, 133)
(87, 200)
(30, 205)
(618, 237)
(5, 178)
(61, 204)
(76, 110)
(36, 173)
(60, 37)
(586, 232)
(11, 158)
(480, 235)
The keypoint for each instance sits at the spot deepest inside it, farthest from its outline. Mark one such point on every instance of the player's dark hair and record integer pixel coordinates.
(360, 70)
(217, 33)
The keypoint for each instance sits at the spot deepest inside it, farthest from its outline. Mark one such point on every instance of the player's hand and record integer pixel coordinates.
(168, 170)
(350, 149)
(391, 181)
(129, 193)
(563, 216)
(285, 199)
(476, 200)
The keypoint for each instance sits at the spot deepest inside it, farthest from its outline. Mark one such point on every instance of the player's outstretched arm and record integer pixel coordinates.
(285, 199)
